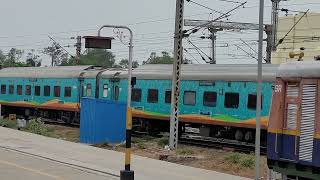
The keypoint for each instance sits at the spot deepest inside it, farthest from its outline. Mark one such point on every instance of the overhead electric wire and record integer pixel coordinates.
(205, 7)
(61, 47)
(209, 22)
(281, 40)
(191, 55)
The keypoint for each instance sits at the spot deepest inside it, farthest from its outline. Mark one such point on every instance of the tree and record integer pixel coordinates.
(97, 57)
(56, 53)
(13, 57)
(124, 63)
(2, 58)
(164, 59)
(33, 59)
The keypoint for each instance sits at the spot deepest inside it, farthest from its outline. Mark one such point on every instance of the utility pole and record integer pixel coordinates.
(78, 50)
(178, 52)
(274, 23)
(213, 38)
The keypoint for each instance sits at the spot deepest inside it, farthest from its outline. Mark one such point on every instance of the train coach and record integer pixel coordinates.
(219, 100)
(294, 126)
(49, 92)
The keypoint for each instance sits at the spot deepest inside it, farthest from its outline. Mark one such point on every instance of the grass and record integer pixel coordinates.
(184, 151)
(8, 123)
(241, 160)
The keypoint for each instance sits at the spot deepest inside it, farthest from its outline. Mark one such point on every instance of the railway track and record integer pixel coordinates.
(192, 138)
(220, 143)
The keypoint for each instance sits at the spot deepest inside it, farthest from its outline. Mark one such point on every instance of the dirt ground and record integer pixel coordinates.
(207, 158)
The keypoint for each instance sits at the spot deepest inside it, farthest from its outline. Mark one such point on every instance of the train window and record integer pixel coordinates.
(28, 90)
(67, 91)
(105, 90)
(252, 101)
(152, 95)
(11, 89)
(189, 98)
(19, 89)
(46, 91)
(210, 99)
(56, 91)
(3, 89)
(136, 95)
(37, 90)
(231, 100)
(168, 97)
(89, 90)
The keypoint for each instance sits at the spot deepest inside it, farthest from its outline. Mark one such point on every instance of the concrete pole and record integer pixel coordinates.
(258, 109)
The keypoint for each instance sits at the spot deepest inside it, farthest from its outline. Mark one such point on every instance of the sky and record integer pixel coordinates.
(27, 24)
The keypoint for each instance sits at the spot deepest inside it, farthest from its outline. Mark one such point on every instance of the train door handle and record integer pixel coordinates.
(276, 144)
(295, 146)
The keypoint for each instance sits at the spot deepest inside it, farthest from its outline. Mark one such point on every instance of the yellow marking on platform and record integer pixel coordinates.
(31, 170)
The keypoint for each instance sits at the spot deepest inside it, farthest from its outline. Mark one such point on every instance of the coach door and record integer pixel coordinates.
(289, 139)
(115, 89)
(307, 124)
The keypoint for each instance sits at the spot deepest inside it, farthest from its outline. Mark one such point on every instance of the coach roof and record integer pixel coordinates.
(299, 69)
(49, 72)
(223, 72)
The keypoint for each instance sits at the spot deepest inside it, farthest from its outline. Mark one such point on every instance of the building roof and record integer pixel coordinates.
(299, 69)
(49, 72)
(223, 72)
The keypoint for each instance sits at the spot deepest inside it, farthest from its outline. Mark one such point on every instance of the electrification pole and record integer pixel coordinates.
(178, 49)
(78, 50)
(258, 111)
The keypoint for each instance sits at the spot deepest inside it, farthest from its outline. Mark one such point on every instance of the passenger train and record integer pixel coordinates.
(220, 100)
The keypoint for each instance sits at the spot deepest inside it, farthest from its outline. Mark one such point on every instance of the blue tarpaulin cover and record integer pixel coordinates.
(102, 121)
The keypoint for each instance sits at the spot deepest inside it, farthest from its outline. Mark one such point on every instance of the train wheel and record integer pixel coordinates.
(238, 135)
(248, 136)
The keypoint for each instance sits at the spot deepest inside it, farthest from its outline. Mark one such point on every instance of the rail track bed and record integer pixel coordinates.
(220, 143)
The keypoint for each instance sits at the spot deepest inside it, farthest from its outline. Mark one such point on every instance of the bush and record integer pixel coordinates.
(8, 123)
(162, 141)
(242, 160)
(247, 161)
(234, 158)
(37, 127)
(141, 146)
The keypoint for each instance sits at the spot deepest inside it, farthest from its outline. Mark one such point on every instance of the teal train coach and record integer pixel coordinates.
(218, 99)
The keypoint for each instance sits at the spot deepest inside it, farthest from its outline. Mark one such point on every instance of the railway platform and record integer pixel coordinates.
(53, 158)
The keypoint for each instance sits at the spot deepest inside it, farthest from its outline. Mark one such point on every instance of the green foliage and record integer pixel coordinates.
(243, 160)
(37, 127)
(97, 57)
(8, 123)
(164, 59)
(163, 141)
(124, 63)
(33, 59)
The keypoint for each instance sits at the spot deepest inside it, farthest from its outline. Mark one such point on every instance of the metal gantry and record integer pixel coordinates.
(178, 53)
(221, 25)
